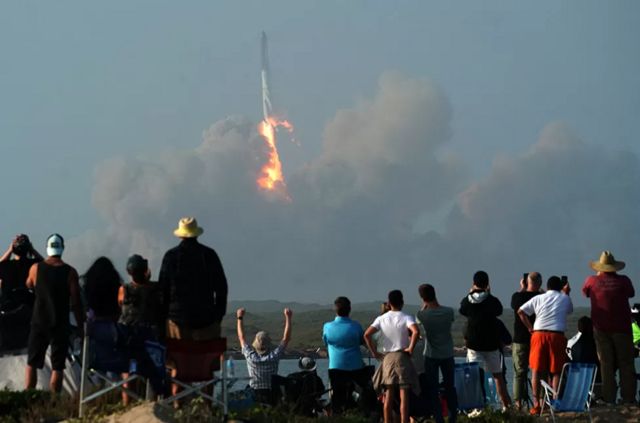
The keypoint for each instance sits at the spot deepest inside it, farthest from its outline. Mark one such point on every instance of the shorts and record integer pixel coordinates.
(492, 359)
(548, 351)
(180, 331)
(396, 370)
(40, 339)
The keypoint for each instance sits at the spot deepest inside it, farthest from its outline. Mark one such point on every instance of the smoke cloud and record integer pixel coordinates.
(353, 226)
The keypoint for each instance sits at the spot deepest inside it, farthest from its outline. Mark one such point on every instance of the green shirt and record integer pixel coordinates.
(437, 328)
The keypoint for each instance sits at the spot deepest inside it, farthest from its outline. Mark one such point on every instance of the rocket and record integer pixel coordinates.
(266, 95)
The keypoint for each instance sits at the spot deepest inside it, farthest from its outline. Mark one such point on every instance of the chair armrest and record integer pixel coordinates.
(547, 387)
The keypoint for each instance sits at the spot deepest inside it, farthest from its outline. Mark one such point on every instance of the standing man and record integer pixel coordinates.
(16, 300)
(343, 338)
(398, 336)
(56, 288)
(195, 286)
(548, 343)
(438, 352)
(482, 335)
(529, 288)
(611, 315)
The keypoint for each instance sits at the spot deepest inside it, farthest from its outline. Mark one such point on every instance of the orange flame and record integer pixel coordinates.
(271, 177)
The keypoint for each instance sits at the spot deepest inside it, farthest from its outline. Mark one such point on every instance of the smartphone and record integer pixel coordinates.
(525, 276)
(564, 279)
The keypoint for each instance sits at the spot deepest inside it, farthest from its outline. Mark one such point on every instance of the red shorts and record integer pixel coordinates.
(548, 351)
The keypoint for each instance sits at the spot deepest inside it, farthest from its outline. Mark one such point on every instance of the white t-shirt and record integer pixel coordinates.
(551, 310)
(394, 330)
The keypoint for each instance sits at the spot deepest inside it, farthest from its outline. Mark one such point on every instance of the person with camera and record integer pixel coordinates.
(548, 343)
(16, 300)
(529, 288)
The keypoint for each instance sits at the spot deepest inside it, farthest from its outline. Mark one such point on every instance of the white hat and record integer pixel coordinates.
(55, 245)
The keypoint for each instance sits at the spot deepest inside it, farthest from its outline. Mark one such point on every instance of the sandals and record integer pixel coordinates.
(535, 411)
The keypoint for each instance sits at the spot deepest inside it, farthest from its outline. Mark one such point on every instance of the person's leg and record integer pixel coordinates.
(36, 350)
(404, 404)
(606, 355)
(431, 367)
(389, 397)
(55, 383)
(623, 344)
(520, 355)
(59, 348)
(535, 387)
(447, 367)
(493, 361)
(338, 381)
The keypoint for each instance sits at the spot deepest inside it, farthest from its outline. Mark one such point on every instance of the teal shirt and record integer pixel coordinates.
(437, 328)
(343, 338)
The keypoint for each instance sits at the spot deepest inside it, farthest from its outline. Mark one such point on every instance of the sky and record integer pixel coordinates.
(436, 138)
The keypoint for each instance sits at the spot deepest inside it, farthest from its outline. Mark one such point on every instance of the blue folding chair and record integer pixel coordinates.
(577, 380)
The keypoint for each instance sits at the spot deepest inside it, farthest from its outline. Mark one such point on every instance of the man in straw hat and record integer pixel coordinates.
(194, 285)
(611, 315)
(262, 359)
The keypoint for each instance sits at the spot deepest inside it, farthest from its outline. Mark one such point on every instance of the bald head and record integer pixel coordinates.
(534, 282)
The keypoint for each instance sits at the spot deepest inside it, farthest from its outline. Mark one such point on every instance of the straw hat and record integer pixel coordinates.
(188, 228)
(607, 263)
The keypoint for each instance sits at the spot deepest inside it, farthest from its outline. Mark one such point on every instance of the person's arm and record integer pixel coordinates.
(525, 319)
(498, 307)
(121, 296)
(586, 288)
(368, 339)
(31, 278)
(164, 280)
(631, 292)
(463, 306)
(220, 288)
(76, 303)
(36, 255)
(286, 336)
(415, 334)
(240, 327)
(7, 254)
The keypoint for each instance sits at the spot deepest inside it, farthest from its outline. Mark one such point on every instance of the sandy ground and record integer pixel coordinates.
(144, 413)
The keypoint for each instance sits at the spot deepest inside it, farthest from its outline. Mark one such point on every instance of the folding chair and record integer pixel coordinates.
(195, 365)
(579, 380)
(102, 355)
(468, 382)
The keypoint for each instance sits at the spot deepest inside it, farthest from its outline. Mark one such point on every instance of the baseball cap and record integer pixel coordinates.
(55, 245)
(137, 263)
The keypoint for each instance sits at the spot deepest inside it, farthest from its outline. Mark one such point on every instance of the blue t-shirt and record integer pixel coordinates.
(343, 337)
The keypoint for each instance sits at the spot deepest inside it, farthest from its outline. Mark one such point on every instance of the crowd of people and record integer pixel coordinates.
(189, 301)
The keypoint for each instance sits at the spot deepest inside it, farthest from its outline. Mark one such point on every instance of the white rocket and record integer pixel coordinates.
(266, 96)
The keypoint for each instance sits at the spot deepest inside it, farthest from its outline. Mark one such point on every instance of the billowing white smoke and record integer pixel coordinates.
(351, 227)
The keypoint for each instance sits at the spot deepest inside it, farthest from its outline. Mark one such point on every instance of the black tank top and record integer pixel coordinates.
(141, 305)
(51, 308)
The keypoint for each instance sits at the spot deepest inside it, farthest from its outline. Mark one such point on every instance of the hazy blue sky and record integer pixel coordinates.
(82, 82)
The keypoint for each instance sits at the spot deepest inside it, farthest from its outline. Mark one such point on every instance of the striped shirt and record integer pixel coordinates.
(262, 367)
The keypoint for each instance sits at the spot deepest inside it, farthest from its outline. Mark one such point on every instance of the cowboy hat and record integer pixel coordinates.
(607, 263)
(188, 228)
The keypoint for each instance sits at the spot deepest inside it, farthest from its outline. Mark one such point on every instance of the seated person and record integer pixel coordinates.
(139, 321)
(262, 359)
(582, 347)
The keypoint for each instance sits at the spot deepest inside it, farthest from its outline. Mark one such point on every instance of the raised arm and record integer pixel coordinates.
(7, 254)
(240, 327)
(286, 336)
